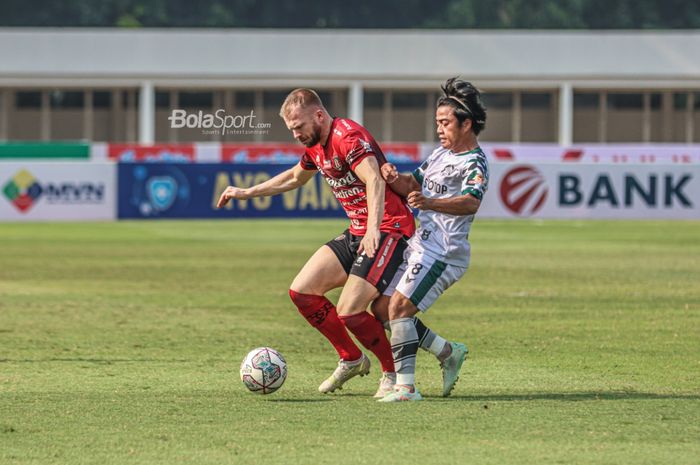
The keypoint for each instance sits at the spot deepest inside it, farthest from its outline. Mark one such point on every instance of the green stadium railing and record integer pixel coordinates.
(47, 150)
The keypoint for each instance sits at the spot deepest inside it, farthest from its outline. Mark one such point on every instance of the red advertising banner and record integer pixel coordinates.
(261, 153)
(402, 152)
(290, 153)
(407, 152)
(147, 153)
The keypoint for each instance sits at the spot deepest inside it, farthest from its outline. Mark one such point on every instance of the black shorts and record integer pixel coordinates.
(377, 271)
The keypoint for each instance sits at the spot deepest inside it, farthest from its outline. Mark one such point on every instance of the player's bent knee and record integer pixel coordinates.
(353, 306)
(299, 288)
(348, 310)
(401, 307)
(297, 297)
(380, 308)
(356, 296)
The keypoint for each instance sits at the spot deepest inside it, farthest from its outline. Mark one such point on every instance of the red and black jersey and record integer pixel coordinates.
(347, 145)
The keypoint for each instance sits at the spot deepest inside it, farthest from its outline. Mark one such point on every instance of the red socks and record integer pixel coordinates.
(321, 314)
(370, 332)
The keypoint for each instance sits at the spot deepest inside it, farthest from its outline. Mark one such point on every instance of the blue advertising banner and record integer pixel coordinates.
(169, 190)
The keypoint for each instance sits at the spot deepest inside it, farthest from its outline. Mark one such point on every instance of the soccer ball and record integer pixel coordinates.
(263, 370)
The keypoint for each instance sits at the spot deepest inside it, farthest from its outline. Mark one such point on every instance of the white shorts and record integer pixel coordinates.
(422, 279)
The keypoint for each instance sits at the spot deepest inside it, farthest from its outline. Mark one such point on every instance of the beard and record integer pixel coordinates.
(314, 138)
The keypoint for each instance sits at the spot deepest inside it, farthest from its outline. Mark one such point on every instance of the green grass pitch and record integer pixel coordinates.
(120, 344)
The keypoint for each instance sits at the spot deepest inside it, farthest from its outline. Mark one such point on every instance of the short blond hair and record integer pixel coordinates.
(300, 98)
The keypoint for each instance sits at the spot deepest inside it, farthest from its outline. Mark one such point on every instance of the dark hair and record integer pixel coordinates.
(466, 101)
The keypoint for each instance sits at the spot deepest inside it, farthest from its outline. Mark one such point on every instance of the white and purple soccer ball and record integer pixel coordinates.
(263, 370)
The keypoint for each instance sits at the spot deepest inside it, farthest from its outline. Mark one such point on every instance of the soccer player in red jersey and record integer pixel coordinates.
(362, 260)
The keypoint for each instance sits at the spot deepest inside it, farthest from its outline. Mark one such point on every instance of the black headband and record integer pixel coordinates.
(465, 107)
(461, 103)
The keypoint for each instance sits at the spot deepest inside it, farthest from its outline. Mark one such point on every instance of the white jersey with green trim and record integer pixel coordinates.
(443, 175)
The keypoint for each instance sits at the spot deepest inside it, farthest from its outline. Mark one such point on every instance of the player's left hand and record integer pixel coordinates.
(417, 200)
(231, 192)
(370, 243)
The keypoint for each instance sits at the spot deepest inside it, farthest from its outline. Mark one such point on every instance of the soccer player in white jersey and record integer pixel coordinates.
(447, 189)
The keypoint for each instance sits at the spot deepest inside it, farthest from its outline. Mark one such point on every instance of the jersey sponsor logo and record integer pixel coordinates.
(523, 190)
(352, 202)
(478, 179)
(434, 186)
(346, 180)
(345, 193)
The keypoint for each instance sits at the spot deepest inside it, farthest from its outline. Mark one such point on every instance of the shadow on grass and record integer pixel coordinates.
(104, 361)
(555, 396)
(300, 401)
(569, 396)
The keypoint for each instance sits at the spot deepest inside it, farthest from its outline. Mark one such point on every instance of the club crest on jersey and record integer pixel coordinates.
(448, 170)
(365, 145)
(337, 164)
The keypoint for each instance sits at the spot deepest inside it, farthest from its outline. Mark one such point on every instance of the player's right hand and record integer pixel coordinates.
(389, 173)
(231, 192)
(416, 199)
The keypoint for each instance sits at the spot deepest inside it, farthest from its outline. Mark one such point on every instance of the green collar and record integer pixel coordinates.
(461, 154)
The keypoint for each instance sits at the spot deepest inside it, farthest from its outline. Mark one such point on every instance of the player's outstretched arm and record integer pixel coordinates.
(460, 206)
(283, 182)
(402, 184)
